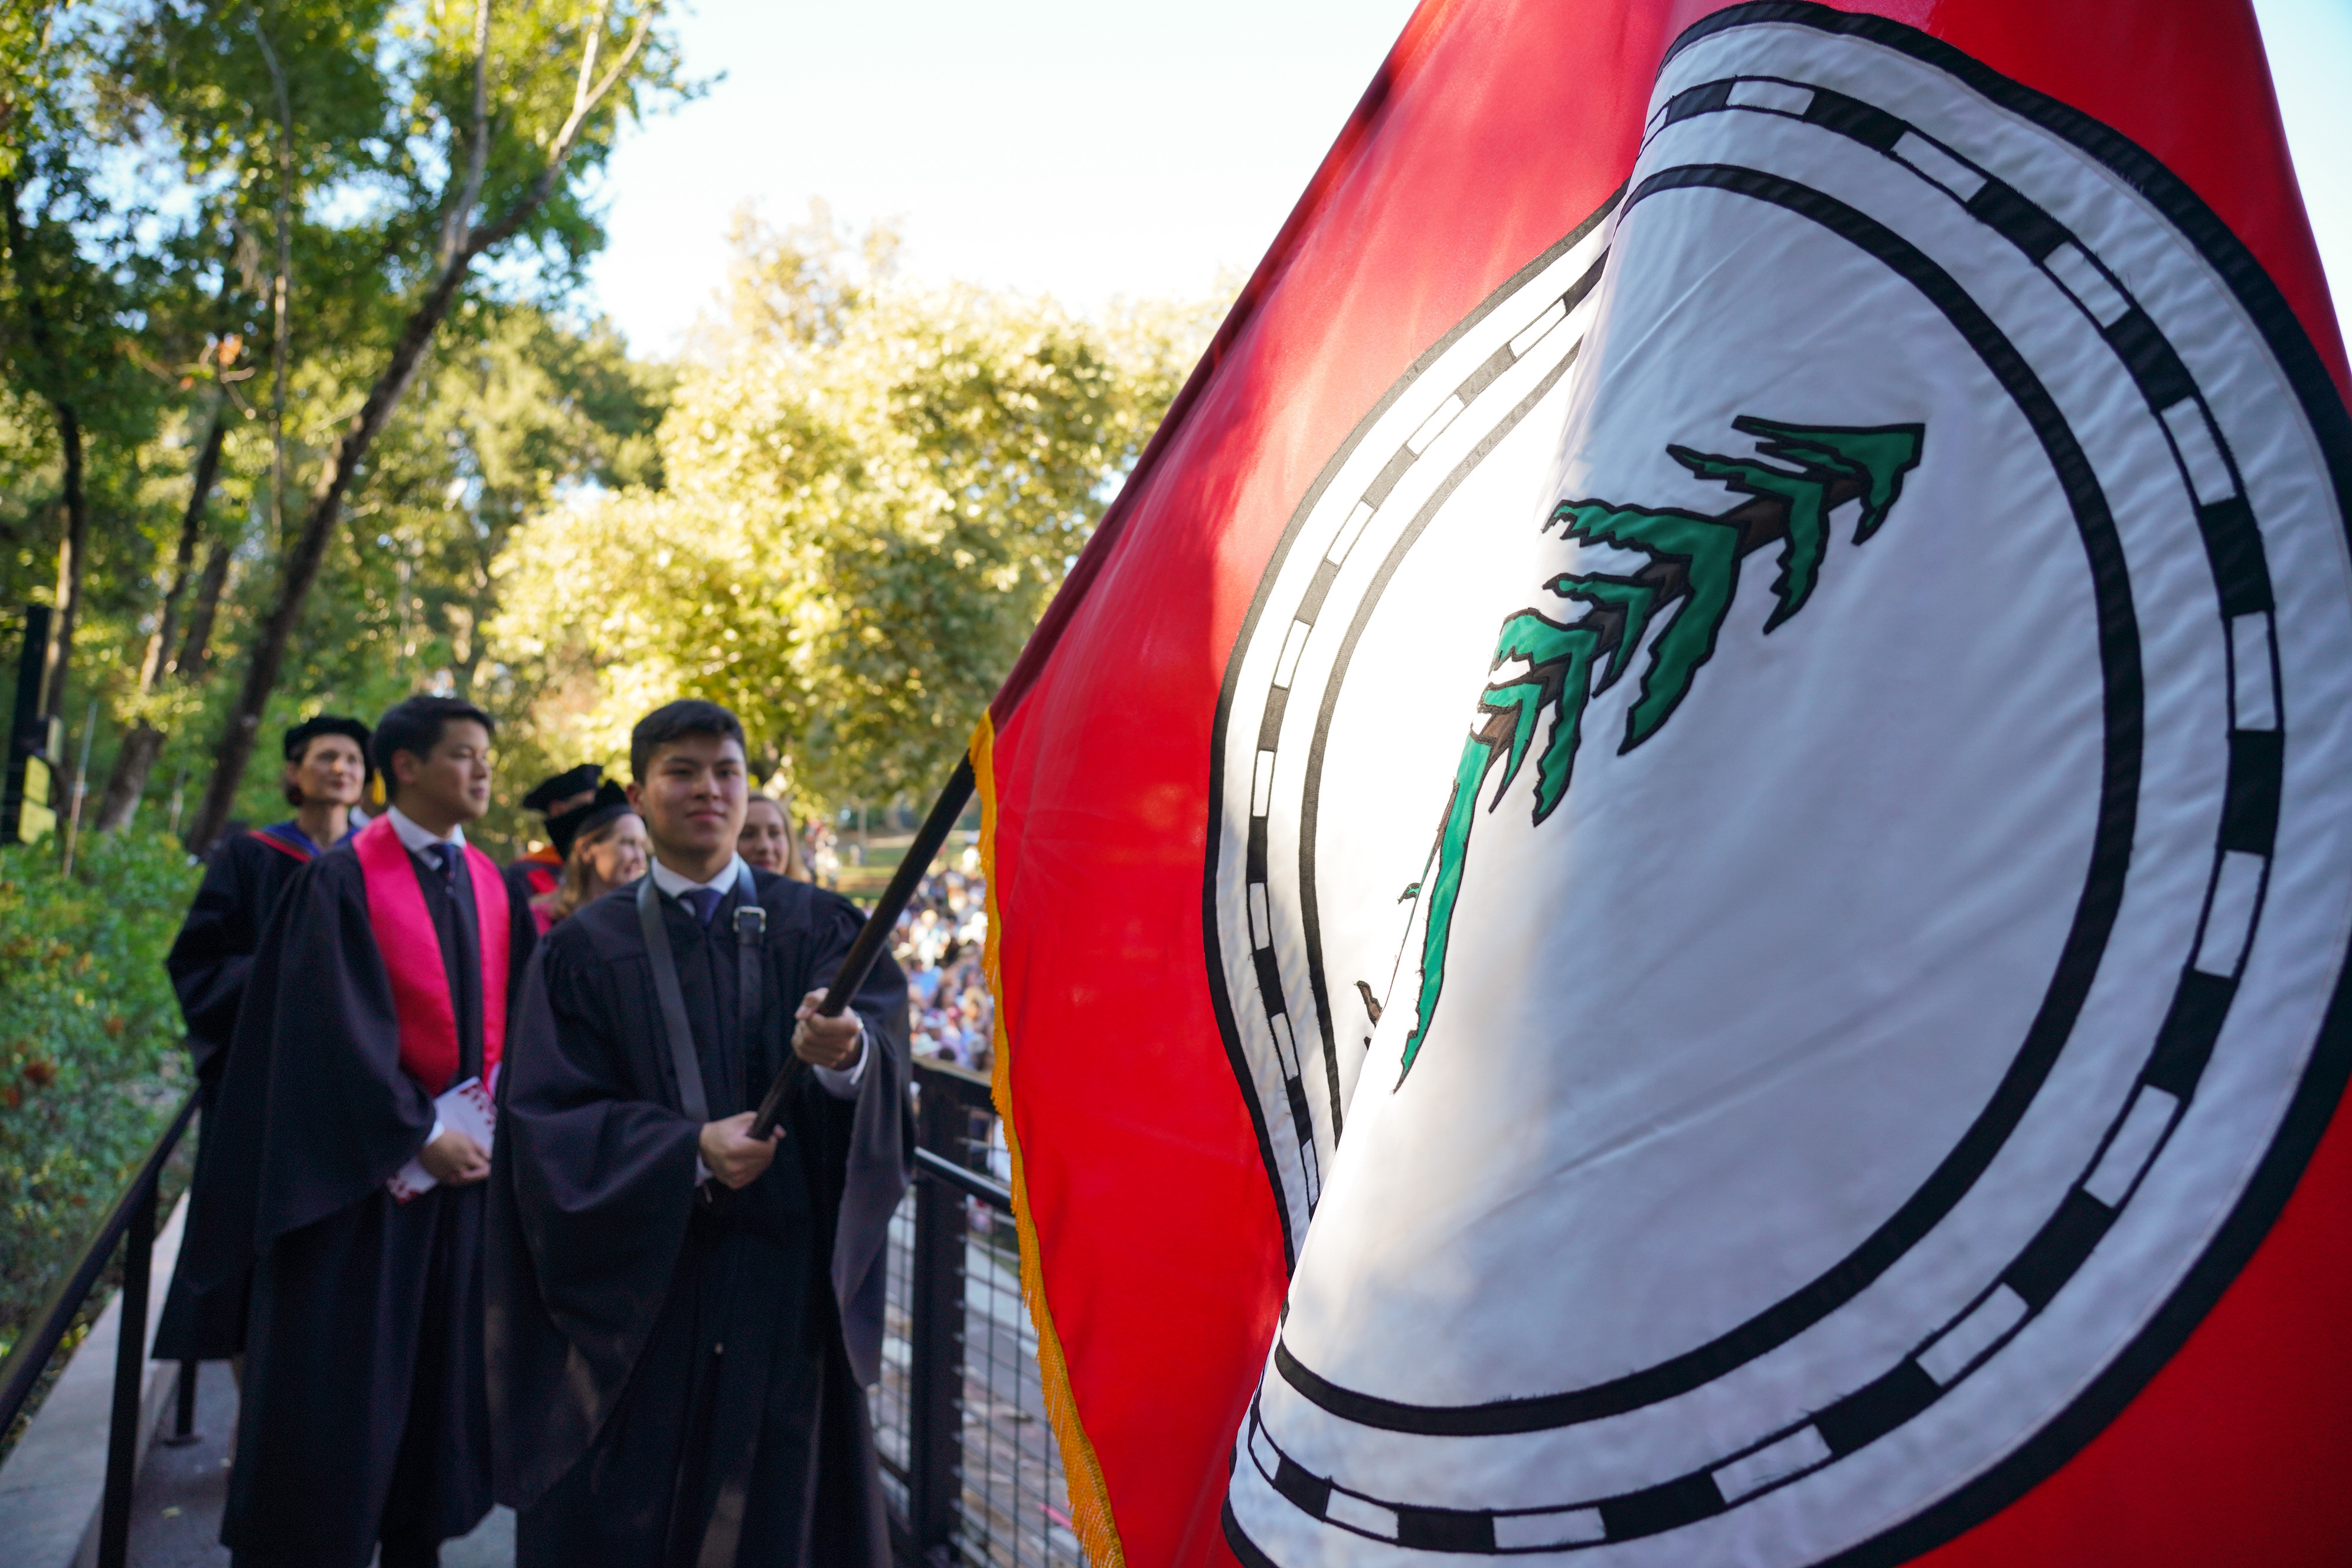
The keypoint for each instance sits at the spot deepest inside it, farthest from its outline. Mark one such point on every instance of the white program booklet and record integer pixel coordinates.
(465, 1107)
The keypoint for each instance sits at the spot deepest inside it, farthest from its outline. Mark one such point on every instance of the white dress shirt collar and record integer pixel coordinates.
(674, 883)
(419, 841)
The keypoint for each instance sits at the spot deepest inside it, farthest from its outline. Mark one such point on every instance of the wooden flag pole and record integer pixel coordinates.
(871, 938)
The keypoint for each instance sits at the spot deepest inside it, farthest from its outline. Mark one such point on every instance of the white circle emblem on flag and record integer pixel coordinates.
(1779, 853)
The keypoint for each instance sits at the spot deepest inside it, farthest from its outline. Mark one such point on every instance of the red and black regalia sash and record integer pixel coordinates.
(412, 955)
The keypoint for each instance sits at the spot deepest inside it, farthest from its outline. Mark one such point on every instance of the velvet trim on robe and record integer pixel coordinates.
(598, 1237)
(413, 960)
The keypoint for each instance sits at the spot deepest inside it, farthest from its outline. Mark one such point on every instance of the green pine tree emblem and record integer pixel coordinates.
(1677, 602)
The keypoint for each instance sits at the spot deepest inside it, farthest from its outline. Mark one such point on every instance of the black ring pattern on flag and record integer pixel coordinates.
(2184, 1042)
(1550, 313)
(2200, 1004)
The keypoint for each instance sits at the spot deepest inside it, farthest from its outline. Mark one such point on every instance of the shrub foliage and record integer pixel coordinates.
(90, 1062)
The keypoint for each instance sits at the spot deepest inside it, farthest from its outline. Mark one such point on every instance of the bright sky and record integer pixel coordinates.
(1087, 150)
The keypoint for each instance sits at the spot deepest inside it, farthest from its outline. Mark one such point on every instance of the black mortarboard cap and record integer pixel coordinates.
(564, 831)
(562, 786)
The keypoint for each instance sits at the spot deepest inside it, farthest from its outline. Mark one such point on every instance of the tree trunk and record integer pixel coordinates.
(73, 558)
(192, 662)
(73, 550)
(307, 555)
(126, 785)
(183, 559)
(128, 782)
(459, 246)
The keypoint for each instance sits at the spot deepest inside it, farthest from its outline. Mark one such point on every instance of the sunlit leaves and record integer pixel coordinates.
(873, 491)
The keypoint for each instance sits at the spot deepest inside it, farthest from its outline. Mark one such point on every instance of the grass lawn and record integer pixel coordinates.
(883, 853)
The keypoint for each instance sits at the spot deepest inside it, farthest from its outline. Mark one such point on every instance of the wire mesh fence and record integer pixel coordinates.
(968, 1456)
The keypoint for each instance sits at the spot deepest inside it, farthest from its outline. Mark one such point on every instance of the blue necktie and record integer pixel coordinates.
(703, 901)
(446, 853)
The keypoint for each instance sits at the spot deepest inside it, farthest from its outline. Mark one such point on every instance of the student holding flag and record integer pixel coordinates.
(380, 989)
(326, 773)
(638, 1229)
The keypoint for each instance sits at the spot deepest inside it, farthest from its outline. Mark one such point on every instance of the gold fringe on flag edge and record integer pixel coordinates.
(1091, 1514)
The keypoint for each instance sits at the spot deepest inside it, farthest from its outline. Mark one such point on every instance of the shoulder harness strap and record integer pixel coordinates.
(750, 928)
(683, 1061)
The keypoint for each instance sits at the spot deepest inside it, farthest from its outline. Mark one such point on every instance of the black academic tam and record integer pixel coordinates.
(677, 1372)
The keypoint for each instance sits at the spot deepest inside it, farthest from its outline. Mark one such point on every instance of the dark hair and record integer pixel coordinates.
(675, 720)
(415, 726)
(298, 746)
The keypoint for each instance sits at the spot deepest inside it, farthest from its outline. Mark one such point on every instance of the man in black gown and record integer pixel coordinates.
(682, 1318)
(326, 773)
(381, 984)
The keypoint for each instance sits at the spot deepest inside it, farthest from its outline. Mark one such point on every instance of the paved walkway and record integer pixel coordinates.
(175, 1511)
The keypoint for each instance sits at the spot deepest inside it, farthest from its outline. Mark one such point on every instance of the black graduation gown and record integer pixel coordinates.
(361, 1412)
(669, 1367)
(208, 964)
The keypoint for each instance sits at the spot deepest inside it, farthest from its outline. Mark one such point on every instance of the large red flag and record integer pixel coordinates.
(1876, 1106)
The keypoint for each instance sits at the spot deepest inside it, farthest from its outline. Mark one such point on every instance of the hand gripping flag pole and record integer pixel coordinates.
(867, 947)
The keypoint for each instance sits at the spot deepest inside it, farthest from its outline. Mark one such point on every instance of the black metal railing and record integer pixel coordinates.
(968, 1458)
(130, 1224)
(960, 1416)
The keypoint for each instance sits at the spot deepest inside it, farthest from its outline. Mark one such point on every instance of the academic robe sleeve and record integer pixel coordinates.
(877, 1148)
(523, 937)
(522, 888)
(608, 1177)
(591, 1190)
(315, 1111)
(212, 957)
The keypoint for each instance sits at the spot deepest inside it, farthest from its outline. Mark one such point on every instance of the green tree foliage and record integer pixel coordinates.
(521, 411)
(90, 1059)
(500, 122)
(516, 409)
(77, 284)
(330, 458)
(872, 489)
(245, 255)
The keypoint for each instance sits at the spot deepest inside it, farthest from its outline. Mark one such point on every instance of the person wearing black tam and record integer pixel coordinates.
(604, 847)
(533, 877)
(326, 774)
(609, 802)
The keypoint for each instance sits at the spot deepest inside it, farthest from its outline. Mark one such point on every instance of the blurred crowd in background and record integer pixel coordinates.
(940, 943)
